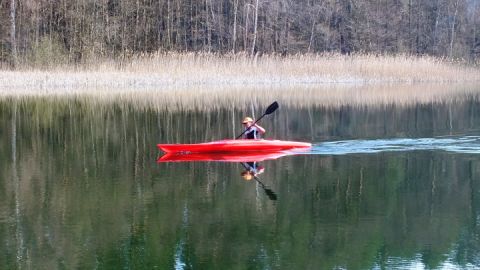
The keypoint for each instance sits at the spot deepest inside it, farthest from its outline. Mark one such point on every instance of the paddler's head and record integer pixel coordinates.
(247, 175)
(247, 121)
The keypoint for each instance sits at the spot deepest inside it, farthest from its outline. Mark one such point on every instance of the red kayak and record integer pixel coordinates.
(225, 156)
(242, 145)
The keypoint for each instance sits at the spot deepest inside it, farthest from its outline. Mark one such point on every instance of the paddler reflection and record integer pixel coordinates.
(252, 169)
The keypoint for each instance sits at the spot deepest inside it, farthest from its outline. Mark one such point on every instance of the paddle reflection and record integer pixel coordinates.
(252, 169)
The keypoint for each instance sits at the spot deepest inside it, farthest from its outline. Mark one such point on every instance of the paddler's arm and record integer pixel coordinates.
(260, 129)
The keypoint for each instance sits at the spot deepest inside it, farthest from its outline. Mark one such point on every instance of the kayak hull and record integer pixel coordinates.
(222, 157)
(242, 145)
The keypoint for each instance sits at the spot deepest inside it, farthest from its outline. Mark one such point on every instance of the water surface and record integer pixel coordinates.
(385, 187)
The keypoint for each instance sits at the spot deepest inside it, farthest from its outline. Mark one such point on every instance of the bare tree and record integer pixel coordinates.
(13, 41)
(255, 26)
(121, 28)
(235, 12)
(452, 35)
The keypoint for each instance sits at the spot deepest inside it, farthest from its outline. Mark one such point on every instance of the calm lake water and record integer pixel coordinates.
(385, 187)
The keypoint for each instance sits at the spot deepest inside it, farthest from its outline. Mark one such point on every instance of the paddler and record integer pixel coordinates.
(253, 131)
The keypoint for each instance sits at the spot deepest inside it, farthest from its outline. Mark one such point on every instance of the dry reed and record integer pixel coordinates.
(191, 70)
(209, 81)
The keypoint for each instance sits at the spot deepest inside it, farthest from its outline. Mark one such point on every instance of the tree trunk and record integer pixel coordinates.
(255, 28)
(169, 40)
(245, 39)
(474, 38)
(312, 34)
(452, 35)
(13, 41)
(435, 30)
(137, 28)
(209, 28)
(235, 10)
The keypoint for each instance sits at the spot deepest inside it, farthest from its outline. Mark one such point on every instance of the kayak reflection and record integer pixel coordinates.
(223, 156)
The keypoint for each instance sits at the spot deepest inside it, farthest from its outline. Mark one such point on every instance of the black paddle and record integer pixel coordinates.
(273, 107)
(271, 195)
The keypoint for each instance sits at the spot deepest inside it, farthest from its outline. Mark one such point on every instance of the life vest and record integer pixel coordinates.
(252, 133)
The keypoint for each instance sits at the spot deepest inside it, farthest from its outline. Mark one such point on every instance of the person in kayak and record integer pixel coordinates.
(253, 131)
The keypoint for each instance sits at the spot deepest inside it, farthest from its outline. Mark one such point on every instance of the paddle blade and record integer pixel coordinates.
(271, 195)
(273, 107)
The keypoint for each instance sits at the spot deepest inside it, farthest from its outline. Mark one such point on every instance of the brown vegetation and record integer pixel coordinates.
(166, 71)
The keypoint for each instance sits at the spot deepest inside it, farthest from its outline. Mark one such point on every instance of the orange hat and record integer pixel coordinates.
(246, 120)
(247, 175)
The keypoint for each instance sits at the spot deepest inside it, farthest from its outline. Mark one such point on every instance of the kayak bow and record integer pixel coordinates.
(235, 146)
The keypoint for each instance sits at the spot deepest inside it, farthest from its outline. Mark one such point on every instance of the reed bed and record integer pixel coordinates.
(208, 81)
(172, 70)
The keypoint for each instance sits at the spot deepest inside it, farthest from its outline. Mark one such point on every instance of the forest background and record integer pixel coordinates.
(55, 32)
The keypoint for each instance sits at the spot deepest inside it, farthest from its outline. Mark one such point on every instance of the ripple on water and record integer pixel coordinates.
(456, 144)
